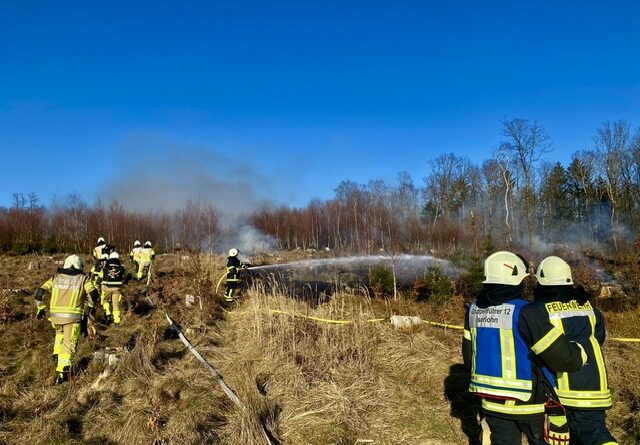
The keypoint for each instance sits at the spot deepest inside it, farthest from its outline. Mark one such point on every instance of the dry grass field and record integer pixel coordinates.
(306, 381)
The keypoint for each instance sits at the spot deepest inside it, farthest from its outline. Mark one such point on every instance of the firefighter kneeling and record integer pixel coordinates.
(114, 276)
(69, 309)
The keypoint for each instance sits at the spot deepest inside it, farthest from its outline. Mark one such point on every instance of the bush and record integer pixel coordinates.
(433, 286)
(381, 280)
(470, 283)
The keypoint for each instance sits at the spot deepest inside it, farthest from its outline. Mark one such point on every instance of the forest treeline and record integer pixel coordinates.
(74, 226)
(516, 196)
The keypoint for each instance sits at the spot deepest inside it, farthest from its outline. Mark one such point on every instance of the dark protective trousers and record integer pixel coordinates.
(509, 431)
(231, 290)
(589, 428)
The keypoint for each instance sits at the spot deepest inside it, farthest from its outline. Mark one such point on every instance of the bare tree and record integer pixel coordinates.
(610, 142)
(526, 143)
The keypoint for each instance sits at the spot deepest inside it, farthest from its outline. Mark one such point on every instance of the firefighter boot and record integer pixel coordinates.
(63, 376)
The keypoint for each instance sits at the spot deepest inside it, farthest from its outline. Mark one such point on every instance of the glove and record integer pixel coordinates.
(583, 353)
(557, 430)
(40, 313)
(556, 427)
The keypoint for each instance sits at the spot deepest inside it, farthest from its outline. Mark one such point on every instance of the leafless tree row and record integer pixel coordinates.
(73, 226)
(518, 195)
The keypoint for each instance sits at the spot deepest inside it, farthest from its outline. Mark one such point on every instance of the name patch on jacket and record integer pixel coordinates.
(559, 310)
(67, 283)
(500, 317)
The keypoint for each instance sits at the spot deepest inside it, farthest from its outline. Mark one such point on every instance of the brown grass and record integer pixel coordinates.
(307, 382)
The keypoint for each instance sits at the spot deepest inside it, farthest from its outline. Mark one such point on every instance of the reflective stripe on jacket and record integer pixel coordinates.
(586, 388)
(500, 366)
(68, 294)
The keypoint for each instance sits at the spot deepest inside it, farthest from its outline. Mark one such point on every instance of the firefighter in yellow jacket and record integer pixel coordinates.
(134, 255)
(113, 277)
(73, 297)
(99, 249)
(145, 258)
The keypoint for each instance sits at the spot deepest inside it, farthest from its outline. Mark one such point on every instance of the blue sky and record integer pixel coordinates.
(283, 100)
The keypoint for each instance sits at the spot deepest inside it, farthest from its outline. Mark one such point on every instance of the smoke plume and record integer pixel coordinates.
(159, 175)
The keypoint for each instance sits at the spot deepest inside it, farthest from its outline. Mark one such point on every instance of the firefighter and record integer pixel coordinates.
(134, 255)
(233, 274)
(584, 393)
(95, 270)
(114, 276)
(96, 274)
(501, 331)
(98, 250)
(146, 256)
(69, 289)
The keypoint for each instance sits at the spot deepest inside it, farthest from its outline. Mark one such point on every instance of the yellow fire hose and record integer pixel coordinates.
(432, 323)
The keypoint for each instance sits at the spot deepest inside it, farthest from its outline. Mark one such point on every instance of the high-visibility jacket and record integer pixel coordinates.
(505, 370)
(69, 289)
(503, 337)
(586, 388)
(98, 250)
(146, 255)
(96, 274)
(135, 254)
(233, 269)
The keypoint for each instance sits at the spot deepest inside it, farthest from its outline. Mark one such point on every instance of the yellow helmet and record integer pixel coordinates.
(554, 271)
(73, 261)
(505, 268)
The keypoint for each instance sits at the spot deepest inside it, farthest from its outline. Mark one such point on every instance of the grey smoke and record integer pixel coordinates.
(252, 241)
(160, 175)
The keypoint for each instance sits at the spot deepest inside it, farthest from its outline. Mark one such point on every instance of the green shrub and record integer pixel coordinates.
(433, 286)
(381, 280)
(470, 282)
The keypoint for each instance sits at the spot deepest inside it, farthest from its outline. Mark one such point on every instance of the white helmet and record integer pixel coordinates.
(147, 244)
(233, 252)
(554, 271)
(136, 243)
(73, 261)
(114, 255)
(101, 240)
(505, 268)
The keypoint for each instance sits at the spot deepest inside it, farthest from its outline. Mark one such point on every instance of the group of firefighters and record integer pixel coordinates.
(537, 366)
(74, 296)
